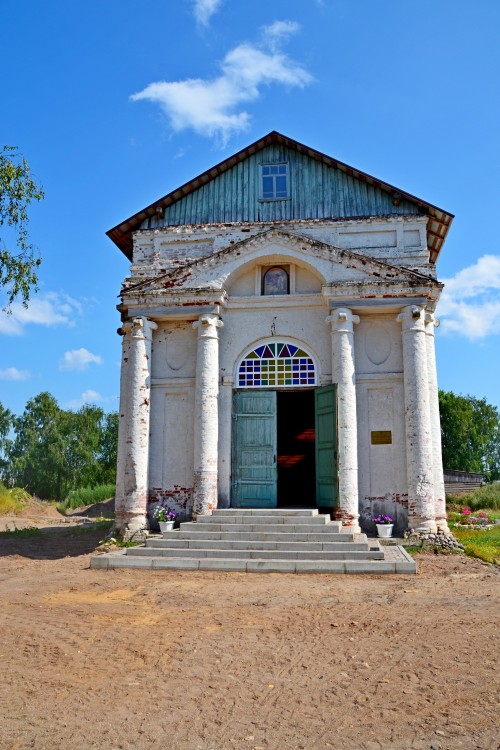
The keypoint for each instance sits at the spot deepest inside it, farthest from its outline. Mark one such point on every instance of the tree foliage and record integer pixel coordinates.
(18, 264)
(470, 432)
(55, 450)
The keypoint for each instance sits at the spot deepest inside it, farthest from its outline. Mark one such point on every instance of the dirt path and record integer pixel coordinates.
(217, 661)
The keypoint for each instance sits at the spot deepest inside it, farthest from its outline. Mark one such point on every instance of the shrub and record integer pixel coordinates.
(13, 501)
(87, 496)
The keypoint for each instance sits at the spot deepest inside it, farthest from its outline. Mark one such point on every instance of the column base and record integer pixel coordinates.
(132, 527)
(424, 525)
(350, 522)
(442, 526)
(204, 493)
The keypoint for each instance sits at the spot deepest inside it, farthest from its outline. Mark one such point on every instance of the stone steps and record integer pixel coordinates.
(262, 540)
(173, 542)
(264, 536)
(263, 554)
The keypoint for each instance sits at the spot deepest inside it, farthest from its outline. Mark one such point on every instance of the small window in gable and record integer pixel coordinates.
(275, 280)
(274, 181)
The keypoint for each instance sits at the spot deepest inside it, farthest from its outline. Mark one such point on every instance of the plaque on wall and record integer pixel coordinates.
(381, 437)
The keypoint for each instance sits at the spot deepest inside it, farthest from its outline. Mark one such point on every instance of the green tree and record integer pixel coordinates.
(37, 454)
(56, 450)
(6, 421)
(18, 264)
(470, 433)
(109, 448)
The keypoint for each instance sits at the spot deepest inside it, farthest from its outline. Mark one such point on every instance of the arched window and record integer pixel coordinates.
(275, 281)
(276, 365)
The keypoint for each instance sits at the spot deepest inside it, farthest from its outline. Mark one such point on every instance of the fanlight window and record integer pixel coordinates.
(276, 365)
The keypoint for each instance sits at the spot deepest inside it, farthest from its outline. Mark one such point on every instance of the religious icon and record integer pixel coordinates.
(275, 281)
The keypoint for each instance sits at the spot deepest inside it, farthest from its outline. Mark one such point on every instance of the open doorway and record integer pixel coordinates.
(296, 449)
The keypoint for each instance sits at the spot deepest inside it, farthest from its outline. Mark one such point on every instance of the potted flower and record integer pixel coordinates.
(165, 517)
(384, 525)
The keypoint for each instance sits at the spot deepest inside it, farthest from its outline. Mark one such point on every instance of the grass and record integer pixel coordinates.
(481, 543)
(13, 501)
(86, 496)
(487, 497)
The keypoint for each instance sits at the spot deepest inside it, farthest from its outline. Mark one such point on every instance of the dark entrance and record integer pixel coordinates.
(296, 449)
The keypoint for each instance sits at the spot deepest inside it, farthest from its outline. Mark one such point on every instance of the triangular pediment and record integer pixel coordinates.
(333, 265)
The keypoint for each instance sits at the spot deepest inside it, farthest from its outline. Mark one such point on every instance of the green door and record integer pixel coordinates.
(326, 446)
(254, 480)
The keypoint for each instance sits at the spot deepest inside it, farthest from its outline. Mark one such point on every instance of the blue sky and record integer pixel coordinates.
(115, 103)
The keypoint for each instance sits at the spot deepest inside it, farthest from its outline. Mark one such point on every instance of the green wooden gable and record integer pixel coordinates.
(316, 191)
(320, 187)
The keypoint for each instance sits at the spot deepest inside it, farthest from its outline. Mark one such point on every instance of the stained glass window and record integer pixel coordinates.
(276, 365)
(275, 281)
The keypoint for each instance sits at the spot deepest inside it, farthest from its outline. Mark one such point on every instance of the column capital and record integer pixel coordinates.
(412, 318)
(342, 320)
(431, 322)
(207, 325)
(138, 327)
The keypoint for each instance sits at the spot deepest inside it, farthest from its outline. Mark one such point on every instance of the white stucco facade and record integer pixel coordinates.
(360, 305)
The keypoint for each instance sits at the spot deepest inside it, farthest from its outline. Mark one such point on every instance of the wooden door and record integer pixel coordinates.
(326, 446)
(254, 468)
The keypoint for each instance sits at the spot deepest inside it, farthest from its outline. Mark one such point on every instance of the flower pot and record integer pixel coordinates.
(166, 525)
(384, 530)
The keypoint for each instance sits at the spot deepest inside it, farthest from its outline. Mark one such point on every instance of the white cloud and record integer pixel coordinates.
(50, 309)
(470, 302)
(12, 373)
(277, 32)
(205, 9)
(88, 397)
(212, 107)
(79, 359)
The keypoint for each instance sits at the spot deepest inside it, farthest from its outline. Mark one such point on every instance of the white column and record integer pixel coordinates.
(206, 425)
(419, 447)
(439, 492)
(343, 373)
(133, 437)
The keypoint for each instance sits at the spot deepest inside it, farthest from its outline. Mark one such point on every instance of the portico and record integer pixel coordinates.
(257, 351)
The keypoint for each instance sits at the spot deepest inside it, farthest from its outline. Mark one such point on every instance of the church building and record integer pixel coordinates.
(278, 345)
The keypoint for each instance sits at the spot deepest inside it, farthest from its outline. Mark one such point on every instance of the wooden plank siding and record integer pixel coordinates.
(317, 191)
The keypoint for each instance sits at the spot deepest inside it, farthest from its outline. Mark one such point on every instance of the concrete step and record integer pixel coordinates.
(252, 519)
(402, 563)
(261, 554)
(170, 541)
(303, 528)
(264, 536)
(277, 512)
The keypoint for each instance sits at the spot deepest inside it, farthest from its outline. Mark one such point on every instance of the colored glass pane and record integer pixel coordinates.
(276, 364)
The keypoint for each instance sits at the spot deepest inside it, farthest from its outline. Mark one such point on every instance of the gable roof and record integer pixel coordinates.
(437, 226)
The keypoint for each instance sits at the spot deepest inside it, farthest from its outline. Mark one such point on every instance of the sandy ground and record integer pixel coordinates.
(127, 659)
